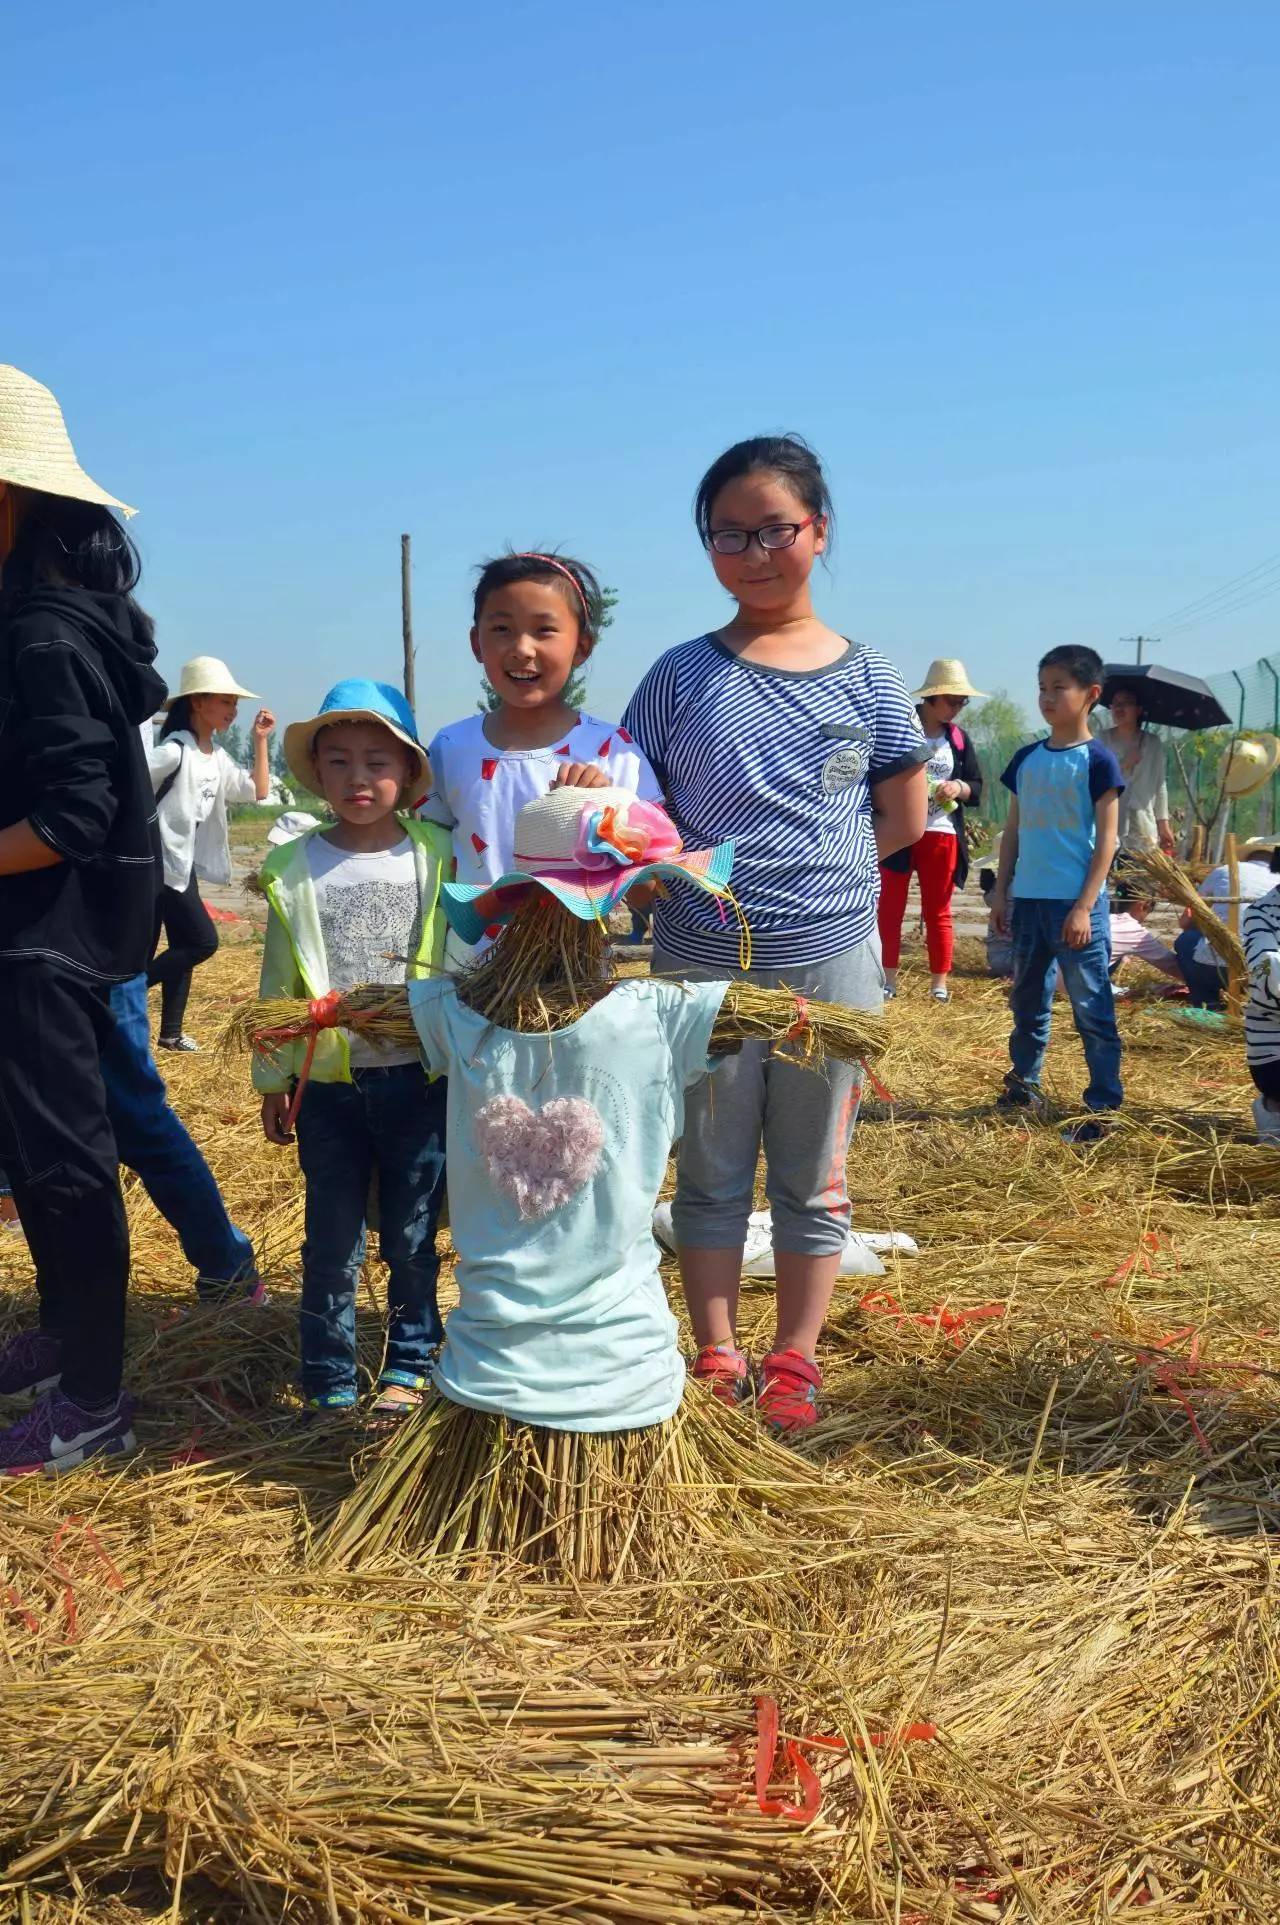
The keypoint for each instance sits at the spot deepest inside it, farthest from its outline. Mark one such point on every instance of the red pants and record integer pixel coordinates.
(934, 860)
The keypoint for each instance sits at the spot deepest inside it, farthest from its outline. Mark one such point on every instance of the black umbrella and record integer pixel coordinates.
(1168, 699)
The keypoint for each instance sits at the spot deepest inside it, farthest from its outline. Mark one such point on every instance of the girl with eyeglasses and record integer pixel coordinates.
(803, 749)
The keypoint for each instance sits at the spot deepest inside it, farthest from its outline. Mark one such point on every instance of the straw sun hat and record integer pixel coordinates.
(35, 448)
(947, 676)
(206, 675)
(1254, 760)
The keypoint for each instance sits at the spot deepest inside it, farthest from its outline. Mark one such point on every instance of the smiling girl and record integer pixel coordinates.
(803, 749)
(195, 782)
(537, 618)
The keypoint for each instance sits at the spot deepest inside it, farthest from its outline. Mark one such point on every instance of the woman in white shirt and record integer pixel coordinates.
(1144, 801)
(194, 781)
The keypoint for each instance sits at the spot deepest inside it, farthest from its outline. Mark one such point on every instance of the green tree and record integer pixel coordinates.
(238, 747)
(997, 726)
(575, 689)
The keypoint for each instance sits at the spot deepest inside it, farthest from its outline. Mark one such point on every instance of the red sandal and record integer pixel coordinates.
(724, 1368)
(787, 1391)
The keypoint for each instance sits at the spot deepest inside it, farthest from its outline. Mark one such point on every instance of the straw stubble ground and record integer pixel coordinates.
(1056, 1441)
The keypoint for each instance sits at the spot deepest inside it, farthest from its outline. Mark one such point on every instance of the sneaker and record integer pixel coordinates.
(1021, 1096)
(1267, 1120)
(222, 1293)
(787, 1391)
(726, 1370)
(57, 1435)
(890, 993)
(940, 995)
(1082, 1134)
(184, 1042)
(30, 1361)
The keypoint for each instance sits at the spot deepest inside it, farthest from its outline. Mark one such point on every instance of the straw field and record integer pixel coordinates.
(1020, 1582)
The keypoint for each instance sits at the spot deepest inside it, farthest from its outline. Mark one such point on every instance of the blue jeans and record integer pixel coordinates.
(1038, 953)
(151, 1139)
(390, 1122)
(1205, 982)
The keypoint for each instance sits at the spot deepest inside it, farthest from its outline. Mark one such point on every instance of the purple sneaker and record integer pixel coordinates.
(30, 1361)
(219, 1294)
(57, 1435)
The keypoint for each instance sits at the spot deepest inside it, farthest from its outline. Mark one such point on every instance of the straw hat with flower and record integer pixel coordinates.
(35, 448)
(947, 676)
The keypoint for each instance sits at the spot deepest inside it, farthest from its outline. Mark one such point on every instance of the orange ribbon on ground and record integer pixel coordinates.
(793, 1755)
(953, 1322)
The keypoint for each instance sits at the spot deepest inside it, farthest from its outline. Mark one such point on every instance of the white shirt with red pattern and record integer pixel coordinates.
(477, 791)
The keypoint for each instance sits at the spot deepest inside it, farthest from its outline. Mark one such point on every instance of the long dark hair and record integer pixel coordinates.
(788, 456)
(76, 543)
(178, 717)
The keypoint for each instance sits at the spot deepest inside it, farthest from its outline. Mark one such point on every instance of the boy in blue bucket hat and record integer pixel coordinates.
(356, 900)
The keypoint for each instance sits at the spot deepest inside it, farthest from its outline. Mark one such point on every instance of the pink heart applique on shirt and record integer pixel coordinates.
(540, 1158)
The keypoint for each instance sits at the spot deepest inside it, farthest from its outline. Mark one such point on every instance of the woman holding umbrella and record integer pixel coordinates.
(1144, 803)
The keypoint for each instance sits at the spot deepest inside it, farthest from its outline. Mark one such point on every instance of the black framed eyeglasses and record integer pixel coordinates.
(774, 534)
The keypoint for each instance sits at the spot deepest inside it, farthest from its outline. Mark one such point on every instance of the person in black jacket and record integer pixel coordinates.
(79, 871)
(941, 857)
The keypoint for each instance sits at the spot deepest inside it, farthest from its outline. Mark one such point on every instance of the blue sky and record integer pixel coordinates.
(306, 276)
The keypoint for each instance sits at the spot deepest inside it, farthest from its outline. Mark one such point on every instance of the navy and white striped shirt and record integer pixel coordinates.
(1261, 938)
(781, 762)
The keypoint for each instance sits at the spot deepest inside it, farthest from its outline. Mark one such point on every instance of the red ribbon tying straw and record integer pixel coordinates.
(801, 1022)
(325, 1012)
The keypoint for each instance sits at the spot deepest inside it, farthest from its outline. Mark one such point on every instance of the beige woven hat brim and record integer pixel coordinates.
(947, 676)
(1252, 775)
(35, 448)
(206, 675)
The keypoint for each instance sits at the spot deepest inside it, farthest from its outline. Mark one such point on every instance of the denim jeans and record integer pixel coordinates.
(390, 1122)
(1038, 953)
(151, 1139)
(1206, 983)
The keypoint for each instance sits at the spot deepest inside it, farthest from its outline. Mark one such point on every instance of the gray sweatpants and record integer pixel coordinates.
(803, 1117)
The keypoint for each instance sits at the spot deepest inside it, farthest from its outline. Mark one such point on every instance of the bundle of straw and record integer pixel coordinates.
(1170, 880)
(585, 1505)
(806, 1032)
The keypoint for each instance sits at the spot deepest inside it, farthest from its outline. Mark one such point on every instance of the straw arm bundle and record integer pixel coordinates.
(1171, 881)
(807, 1032)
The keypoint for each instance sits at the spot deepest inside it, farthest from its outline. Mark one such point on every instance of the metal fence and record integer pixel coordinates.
(1251, 696)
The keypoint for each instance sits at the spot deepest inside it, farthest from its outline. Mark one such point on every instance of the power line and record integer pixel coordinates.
(1228, 608)
(1224, 588)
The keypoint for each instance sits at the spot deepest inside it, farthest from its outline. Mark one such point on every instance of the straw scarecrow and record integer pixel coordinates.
(560, 1429)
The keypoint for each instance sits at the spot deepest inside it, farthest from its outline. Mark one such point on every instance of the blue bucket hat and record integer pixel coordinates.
(357, 700)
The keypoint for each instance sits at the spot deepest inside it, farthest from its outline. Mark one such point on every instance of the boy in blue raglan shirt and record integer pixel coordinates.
(1058, 845)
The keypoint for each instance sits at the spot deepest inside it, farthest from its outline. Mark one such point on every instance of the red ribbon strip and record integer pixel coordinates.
(17, 1605)
(1150, 1245)
(793, 1750)
(1171, 1374)
(939, 1318)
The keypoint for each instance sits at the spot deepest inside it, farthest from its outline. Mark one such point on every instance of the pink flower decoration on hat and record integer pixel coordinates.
(614, 838)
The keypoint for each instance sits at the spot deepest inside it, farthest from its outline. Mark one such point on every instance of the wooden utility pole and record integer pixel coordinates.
(406, 620)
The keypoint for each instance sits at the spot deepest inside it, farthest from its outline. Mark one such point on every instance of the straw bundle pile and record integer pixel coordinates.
(1041, 1559)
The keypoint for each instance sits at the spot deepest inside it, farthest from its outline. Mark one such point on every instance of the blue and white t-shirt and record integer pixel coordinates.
(782, 763)
(1058, 792)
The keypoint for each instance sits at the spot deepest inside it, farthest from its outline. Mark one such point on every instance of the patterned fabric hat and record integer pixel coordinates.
(587, 847)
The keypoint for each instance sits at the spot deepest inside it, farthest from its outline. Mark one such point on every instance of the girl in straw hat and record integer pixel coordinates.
(195, 780)
(941, 857)
(78, 870)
